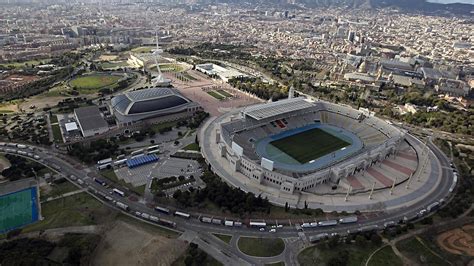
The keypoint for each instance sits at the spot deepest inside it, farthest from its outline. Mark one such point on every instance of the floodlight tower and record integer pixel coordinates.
(160, 80)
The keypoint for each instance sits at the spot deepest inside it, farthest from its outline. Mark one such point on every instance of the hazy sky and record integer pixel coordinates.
(452, 1)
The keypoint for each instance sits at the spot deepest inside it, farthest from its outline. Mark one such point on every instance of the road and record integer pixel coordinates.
(61, 164)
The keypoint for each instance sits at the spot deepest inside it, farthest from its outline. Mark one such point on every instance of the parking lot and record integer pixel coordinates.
(168, 167)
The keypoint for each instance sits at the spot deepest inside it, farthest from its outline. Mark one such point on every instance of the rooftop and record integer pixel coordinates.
(267, 110)
(89, 118)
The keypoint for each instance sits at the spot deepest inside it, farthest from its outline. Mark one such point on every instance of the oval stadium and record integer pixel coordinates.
(297, 144)
(319, 154)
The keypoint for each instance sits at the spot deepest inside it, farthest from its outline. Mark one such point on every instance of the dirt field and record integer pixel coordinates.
(194, 91)
(127, 244)
(458, 241)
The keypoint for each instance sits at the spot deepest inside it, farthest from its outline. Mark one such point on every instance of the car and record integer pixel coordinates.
(272, 231)
(422, 212)
(262, 229)
(280, 226)
(274, 226)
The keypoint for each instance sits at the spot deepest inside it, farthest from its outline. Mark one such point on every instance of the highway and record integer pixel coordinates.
(83, 178)
(54, 161)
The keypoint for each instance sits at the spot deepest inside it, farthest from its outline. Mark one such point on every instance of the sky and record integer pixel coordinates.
(452, 1)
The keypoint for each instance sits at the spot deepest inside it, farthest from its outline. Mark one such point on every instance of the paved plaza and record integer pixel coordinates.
(168, 167)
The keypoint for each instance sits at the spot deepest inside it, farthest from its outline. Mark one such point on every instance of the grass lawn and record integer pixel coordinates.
(110, 174)
(385, 256)
(187, 76)
(321, 255)
(419, 253)
(157, 127)
(54, 119)
(75, 210)
(225, 238)
(62, 188)
(5, 111)
(170, 68)
(192, 147)
(57, 133)
(224, 93)
(93, 82)
(309, 145)
(261, 247)
(23, 64)
(114, 64)
(216, 95)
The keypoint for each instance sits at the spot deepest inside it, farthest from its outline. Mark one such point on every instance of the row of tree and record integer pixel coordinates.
(97, 150)
(259, 88)
(20, 168)
(225, 197)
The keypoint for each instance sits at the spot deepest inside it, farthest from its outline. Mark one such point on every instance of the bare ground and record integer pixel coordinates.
(127, 244)
(458, 241)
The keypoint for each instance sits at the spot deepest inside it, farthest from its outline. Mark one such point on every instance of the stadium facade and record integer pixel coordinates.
(296, 144)
(136, 106)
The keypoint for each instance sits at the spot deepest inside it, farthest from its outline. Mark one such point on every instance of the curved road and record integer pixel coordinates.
(55, 161)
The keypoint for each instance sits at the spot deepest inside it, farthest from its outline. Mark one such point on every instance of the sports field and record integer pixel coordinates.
(309, 145)
(17, 209)
(94, 81)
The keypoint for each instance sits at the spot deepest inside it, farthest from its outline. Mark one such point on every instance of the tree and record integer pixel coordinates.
(361, 241)
(286, 207)
(376, 239)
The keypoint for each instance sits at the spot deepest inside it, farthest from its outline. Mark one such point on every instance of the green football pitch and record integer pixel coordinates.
(15, 210)
(309, 145)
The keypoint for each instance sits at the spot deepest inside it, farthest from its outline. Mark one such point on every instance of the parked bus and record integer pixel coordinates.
(119, 192)
(182, 214)
(162, 210)
(100, 182)
(257, 224)
(104, 161)
(347, 220)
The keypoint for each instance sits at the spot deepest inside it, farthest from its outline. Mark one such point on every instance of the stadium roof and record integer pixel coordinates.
(147, 100)
(267, 110)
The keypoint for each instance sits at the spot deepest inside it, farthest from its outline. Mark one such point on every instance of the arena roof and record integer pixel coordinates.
(267, 110)
(147, 100)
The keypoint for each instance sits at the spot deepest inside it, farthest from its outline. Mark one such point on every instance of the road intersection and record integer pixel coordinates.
(199, 232)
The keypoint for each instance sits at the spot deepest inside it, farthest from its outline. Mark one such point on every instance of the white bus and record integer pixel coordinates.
(136, 152)
(119, 192)
(182, 214)
(154, 147)
(257, 224)
(105, 161)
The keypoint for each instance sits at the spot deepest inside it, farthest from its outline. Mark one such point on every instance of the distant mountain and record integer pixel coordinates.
(409, 6)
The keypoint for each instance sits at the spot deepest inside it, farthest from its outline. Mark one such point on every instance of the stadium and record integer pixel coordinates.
(297, 144)
(136, 106)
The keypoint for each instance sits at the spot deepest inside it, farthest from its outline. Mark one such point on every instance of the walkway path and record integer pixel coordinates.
(406, 261)
(64, 195)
